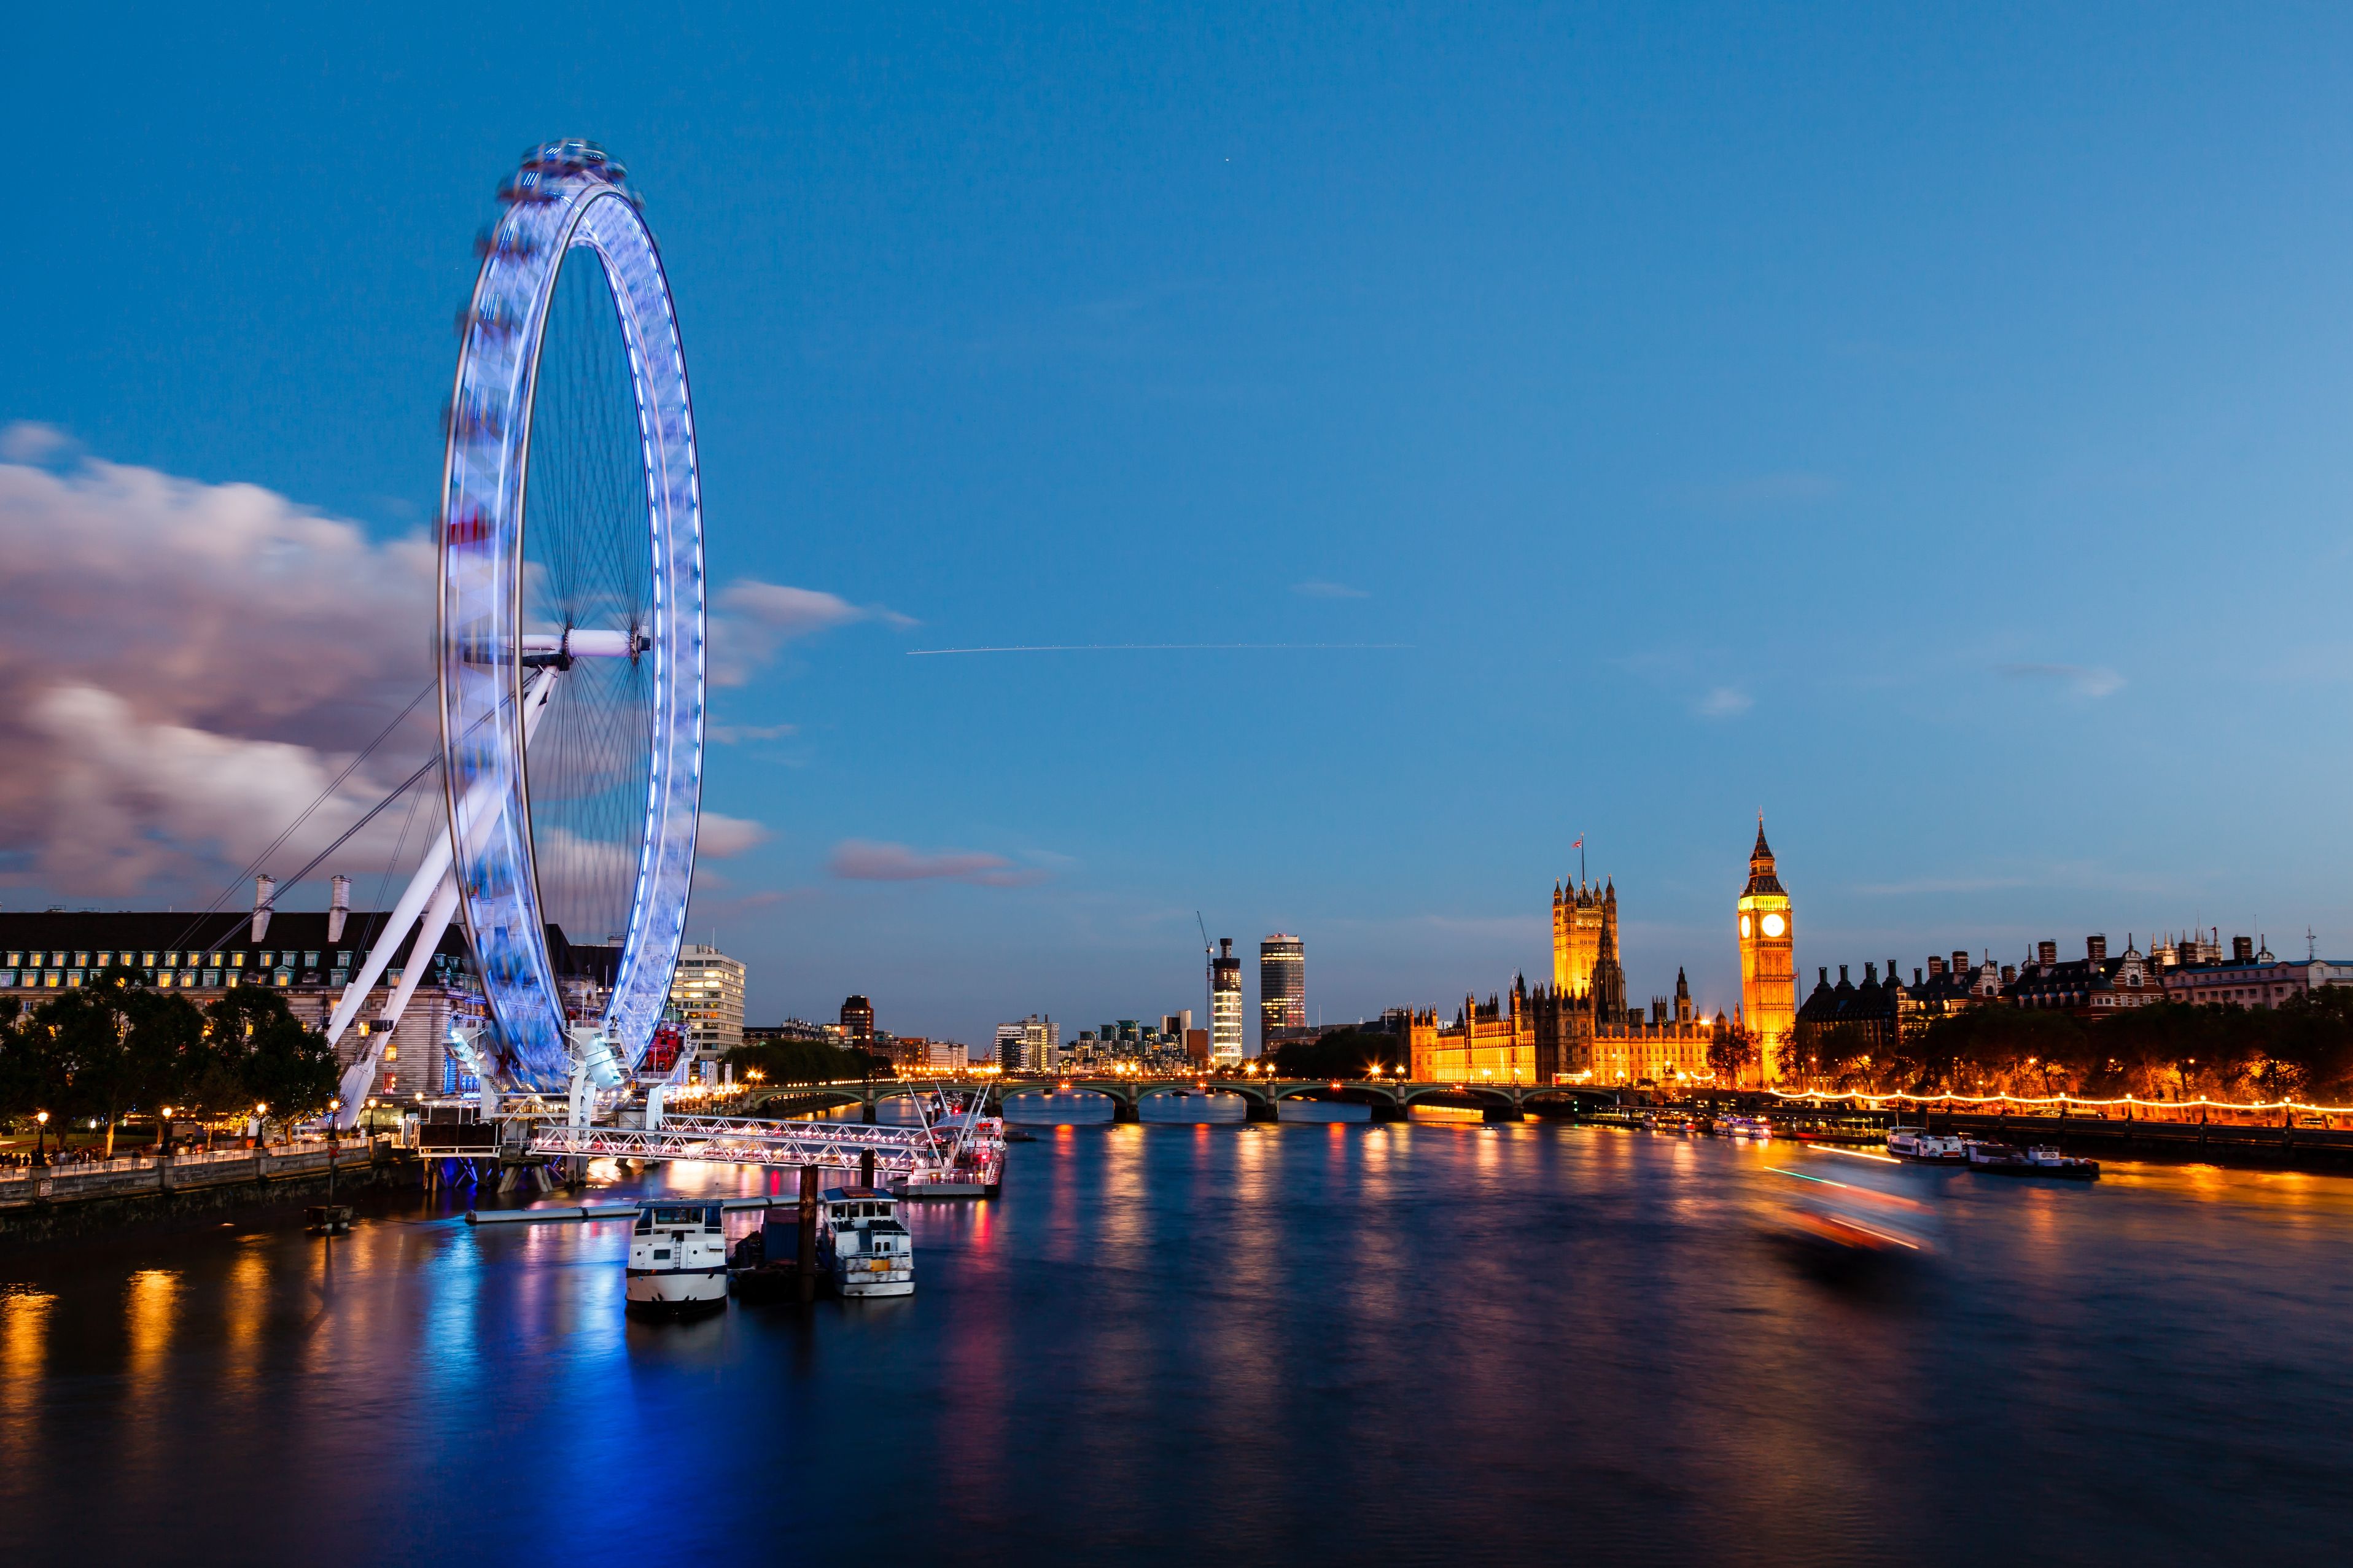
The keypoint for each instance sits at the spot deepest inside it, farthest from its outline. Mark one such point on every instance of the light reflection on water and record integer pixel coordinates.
(1397, 1342)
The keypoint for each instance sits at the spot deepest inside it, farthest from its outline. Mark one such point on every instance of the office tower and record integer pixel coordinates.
(857, 1021)
(707, 991)
(1282, 987)
(1010, 1040)
(1175, 1025)
(1225, 1004)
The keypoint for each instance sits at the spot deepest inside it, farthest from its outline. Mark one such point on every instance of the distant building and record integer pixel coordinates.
(1033, 1045)
(1576, 935)
(1843, 1022)
(1225, 1004)
(1282, 987)
(1197, 1046)
(2251, 977)
(1768, 965)
(1489, 1042)
(2094, 984)
(790, 1029)
(308, 957)
(1177, 1023)
(858, 1020)
(1011, 1039)
(706, 993)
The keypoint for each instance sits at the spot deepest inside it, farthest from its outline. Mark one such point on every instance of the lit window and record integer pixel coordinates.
(82, 961)
(237, 961)
(214, 960)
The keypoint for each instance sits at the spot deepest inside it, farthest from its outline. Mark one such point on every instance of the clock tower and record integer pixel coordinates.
(1769, 967)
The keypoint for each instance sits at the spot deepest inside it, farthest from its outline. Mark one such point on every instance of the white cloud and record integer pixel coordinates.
(729, 734)
(24, 442)
(751, 619)
(865, 860)
(1725, 703)
(2093, 681)
(718, 836)
(1315, 589)
(188, 665)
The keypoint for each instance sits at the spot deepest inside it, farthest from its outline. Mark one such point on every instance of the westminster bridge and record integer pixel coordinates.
(1388, 1099)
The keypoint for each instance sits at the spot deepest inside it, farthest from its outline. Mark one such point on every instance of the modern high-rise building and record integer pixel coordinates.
(1010, 1039)
(706, 992)
(1033, 1045)
(1769, 965)
(1282, 987)
(857, 1021)
(1225, 1004)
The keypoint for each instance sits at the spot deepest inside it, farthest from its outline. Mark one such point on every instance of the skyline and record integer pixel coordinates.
(1918, 427)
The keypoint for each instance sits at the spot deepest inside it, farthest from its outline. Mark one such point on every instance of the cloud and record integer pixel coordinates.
(2093, 681)
(1725, 703)
(718, 837)
(24, 442)
(751, 619)
(865, 860)
(1315, 589)
(188, 665)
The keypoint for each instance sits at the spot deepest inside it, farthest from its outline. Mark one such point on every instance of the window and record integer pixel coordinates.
(392, 1053)
(105, 960)
(309, 960)
(214, 961)
(237, 961)
(212, 977)
(343, 959)
(18, 957)
(82, 961)
(269, 960)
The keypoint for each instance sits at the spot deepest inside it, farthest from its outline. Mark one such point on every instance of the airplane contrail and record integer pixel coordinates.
(1158, 648)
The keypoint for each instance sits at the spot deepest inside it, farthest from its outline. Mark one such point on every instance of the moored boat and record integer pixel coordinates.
(2008, 1159)
(1929, 1148)
(1754, 1127)
(678, 1259)
(862, 1246)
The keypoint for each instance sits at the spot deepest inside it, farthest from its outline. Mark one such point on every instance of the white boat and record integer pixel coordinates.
(860, 1245)
(678, 1259)
(1919, 1143)
(1743, 1127)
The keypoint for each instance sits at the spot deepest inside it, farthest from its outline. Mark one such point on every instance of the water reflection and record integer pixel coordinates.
(1404, 1342)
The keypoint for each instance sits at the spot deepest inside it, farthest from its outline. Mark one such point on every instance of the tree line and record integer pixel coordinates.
(112, 1049)
(804, 1061)
(2301, 1050)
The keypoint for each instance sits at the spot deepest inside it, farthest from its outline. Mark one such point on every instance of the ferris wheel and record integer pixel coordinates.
(571, 634)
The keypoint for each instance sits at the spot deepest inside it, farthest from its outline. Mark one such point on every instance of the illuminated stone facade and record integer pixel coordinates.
(1577, 933)
(1493, 1041)
(1769, 965)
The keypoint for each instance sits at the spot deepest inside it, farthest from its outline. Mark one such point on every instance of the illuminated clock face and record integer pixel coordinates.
(1744, 925)
(1775, 925)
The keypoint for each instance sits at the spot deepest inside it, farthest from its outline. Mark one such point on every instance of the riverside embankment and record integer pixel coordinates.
(45, 1203)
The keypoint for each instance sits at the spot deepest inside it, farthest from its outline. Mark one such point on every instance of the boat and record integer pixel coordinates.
(2042, 1160)
(1928, 1148)
(328, 1219)
(862, 1246)
(971, 1154)
(678, 1259)
(1743, 1127)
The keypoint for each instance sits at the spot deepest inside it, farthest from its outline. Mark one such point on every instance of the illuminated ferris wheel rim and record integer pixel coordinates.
(497, 679)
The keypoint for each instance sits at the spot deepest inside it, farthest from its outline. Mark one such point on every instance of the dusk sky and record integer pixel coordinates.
(1927, 425)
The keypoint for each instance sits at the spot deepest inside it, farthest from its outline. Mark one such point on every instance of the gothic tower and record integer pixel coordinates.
(1768, 968)
(1576, 937)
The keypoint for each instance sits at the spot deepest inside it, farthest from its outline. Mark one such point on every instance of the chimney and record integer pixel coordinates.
(1960, 961)
(1870, 974)
(1936, 966)
(1842, 980)
(2008, 972)
(2096, 948)
(339, 907)
(265, 889)
(1915, 977)
(2046, 953)
(2242, 950)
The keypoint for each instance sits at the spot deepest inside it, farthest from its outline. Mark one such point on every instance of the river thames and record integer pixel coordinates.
(1429, 1341)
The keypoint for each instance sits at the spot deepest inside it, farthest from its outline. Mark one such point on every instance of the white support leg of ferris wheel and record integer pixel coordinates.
(434, 881)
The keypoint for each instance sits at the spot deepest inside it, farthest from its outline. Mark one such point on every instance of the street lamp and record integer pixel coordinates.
(163, 1132)
(40, 1132)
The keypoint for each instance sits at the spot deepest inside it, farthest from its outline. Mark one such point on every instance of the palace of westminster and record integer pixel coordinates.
(1578, 1030)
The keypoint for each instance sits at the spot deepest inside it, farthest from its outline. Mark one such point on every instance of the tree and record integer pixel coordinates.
(1731, 1052)
(260, 1046)
(803, 1061)
(1339, 1053)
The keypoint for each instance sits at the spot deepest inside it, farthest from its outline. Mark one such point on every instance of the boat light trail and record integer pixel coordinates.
(1853, 1153)
(1863, 1097)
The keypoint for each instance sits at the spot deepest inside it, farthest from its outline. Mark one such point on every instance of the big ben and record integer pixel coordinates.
(1768, 968)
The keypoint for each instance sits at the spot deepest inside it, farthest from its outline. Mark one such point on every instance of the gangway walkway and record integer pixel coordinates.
(897, 1150)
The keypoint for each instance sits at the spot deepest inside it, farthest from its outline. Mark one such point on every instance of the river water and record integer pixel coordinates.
(1435, 1341)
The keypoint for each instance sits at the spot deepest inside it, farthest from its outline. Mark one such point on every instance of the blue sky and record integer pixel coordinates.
(1925, 424)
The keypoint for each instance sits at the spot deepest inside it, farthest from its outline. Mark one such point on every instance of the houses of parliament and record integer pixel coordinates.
(1579, 1028)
